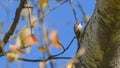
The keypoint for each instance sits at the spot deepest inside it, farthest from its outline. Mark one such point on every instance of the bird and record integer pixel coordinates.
(78, 30)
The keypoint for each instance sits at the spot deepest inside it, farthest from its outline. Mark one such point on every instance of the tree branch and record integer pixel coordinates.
(59, 5)
(65, 48)
(39, 60)
(15, 22)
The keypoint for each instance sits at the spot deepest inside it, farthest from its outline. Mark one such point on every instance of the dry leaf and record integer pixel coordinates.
(18, 41)
(24, 34)
(34, 22)
(31, 40)
(43, 3)
(56, 43)
(23, 38)
(12, 56)
(54, 40)
(16, 49)
(20, 51)
(86, 18)
(42, 65)
(42, 49)
(53, 35)
(26, 11)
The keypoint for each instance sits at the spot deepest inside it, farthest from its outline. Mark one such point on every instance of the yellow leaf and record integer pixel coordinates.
(54, 40)
(43, 3)
(70, 65)
(16, 49)
(12, 56)
(42, 49)
(31, 40)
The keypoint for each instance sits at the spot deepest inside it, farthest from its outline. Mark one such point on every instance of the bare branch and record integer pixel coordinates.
(59, 5)
(63, 58)
(62, 46)
(15, 22)
(39, 60)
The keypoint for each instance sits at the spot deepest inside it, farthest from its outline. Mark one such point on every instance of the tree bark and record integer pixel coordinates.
(101, 39)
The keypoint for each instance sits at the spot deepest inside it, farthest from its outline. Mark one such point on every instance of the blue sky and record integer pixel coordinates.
(61, 19)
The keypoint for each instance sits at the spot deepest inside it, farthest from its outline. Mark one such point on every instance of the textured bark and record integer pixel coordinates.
(102, 38)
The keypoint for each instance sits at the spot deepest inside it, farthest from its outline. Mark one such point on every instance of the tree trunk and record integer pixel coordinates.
(102, 38)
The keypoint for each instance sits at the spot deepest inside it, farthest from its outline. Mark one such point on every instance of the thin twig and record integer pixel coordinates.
(81, 9)
(59, 5)
(62, 58)
(65, 48)
(31, 60)
(39, 60)
(73, 9)
(52, 9)
(29, 18)
(62, 46)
